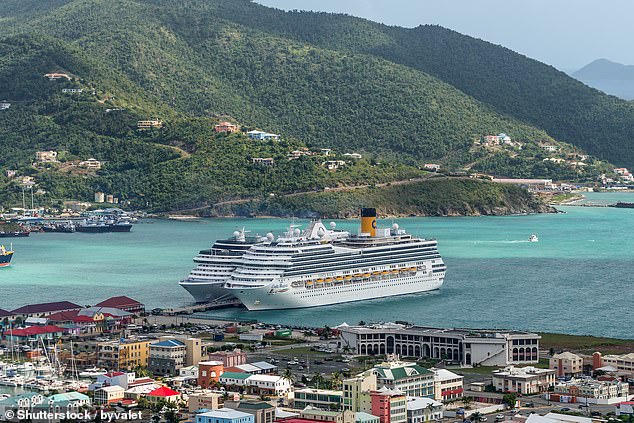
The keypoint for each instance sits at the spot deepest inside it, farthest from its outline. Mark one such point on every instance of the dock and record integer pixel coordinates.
(191, 309)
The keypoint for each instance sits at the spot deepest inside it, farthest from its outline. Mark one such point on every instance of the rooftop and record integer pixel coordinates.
(400, 371)
(164, 391)
(169, 343)
(226, 413)
(419, 403)
(119, 302)
(235, 375)
(46, 307)
(254, 405)
(566, 355)
(422, 330)
(33, 330)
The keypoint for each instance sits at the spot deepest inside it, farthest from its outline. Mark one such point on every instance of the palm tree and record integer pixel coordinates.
(288, 375)
(466, 401)
(336, 380)
(318, 380)
(475, 416)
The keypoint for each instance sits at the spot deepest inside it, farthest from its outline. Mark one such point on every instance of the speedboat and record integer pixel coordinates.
(533, 238)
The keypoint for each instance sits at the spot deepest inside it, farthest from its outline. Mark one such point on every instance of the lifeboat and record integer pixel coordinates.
(320, 281)
(329, 280)
(366, 275)
(339, 278)
(347, 277)
(395, 271)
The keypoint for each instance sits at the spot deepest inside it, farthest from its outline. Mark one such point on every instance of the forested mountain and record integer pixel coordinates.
(400, 97)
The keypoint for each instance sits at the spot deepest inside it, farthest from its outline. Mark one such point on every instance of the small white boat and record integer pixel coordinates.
(533, 238)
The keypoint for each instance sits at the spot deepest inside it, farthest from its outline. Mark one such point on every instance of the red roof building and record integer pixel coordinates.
(33, 333)
(123, 303)
(226, 127)
(163, 393)
(45, 309)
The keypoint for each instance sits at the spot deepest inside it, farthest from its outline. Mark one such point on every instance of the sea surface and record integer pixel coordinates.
(577, 279)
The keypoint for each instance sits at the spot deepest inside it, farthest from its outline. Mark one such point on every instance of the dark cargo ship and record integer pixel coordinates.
(622, 205)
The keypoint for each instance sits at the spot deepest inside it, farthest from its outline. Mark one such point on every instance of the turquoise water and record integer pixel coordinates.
(576, 279)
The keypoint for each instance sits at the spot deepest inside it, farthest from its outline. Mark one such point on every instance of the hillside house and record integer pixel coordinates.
(333, 164)
(143, 125)
(433, 167)
(46, 156)
(262, 136)
(72, 90)
(353, 155)
(550, 148)
(91, 164)
(57, 75)
(226, 127)
(4, 105)
(263, 161)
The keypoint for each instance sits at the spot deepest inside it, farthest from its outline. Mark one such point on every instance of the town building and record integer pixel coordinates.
(167, 357)
(310, 414)
(533, 185)
(263, 161)
(44, 309)
(225, 415)
(262, 411)
(123, 354)
(622, 362)
(410, 378)
(123, 303)
(355, 390)
(566, 364)
(4, 105)
(231, 358)
(586, 388)
(209, 373)
(363, 417)
(21, 403)
(108, 395)
(234, 379)
(420, 410)
(523, 380)
(100, 197)
(163, 394)
(91, 164)
(92, 319)
(144, 125)
(324, 399)
(32, 334)
(189, 372)
(203, 400)
(227, 127)
(456, 346)
(260, 367)
(447, 385)
(625, 408)
(389, 405)
(46, 156)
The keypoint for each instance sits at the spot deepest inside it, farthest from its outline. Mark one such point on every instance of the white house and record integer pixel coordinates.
(4, 105)
(268, 384)
(421, 410)
(262, 136)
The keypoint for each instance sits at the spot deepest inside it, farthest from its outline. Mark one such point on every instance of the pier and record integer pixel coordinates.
(191, 309)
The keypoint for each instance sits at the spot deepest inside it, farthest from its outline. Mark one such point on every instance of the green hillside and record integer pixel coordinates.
(319, 80)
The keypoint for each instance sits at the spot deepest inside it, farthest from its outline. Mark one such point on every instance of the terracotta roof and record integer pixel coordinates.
(63, 316)
(163, 391)
(34, 330)
(118, 302)
(46, 307)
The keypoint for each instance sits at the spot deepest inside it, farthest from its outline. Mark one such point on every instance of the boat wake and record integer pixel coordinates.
(519, 241)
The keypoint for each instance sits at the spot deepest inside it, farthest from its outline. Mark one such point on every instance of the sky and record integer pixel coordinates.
(567, 34)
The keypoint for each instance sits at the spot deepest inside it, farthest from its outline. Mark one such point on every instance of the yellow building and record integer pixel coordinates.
(356, 391)
(123, 355)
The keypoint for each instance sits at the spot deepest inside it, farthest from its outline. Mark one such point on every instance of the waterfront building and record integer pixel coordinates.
(209, 373)
(123, 303)
(566, 364)
(44, 309)
(32, 334)
(123, 354)
(232, 358)
(612, 389)
(420, 410)
(108, 394)
(203, 400)
(225, 415)
(447, 385)
(456, 346)
(227, 127)
(23, 403)
(69, 400)
(355, 391)
(523, 380)
(262, 412)
(389, 405)
(167, 357)
(324, 399)
(410, 378)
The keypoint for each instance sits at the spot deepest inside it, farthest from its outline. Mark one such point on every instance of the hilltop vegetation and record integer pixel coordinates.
(399, 97)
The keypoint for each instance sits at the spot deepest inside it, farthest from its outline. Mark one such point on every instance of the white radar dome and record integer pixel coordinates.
(296, 232)
(321, 232)
(236, 234)
(333, 225)
(395, 226)
(270, 236)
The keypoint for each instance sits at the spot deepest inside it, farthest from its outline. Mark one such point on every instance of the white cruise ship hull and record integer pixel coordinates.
(266, 298)
(207, 292)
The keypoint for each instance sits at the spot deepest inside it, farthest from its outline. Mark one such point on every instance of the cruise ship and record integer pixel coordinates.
(312, 268)
(214, 266)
